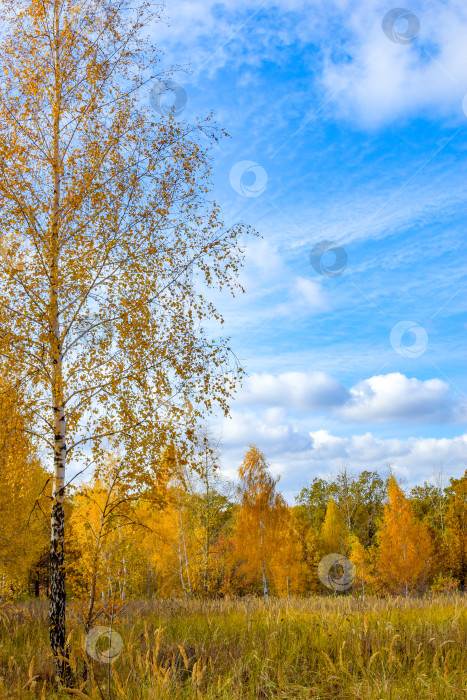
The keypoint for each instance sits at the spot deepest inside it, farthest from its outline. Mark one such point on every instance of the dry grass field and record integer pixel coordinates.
(317, 647)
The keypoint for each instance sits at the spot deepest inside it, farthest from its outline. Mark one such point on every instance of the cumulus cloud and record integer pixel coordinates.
(311, 293)
(394, 397)
(414, 458)
(299, 455)
(385, 398)
(271, 428)
(294, 390)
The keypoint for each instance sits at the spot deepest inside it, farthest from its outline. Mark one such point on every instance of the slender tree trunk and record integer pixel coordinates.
(208, 532)
(57, 627)
(186, 556)
(92, 589)
(265, 581)
(206, 563)
(57, 631)
(263, 568)
(180, 559)
(123, 583)
(405, 561)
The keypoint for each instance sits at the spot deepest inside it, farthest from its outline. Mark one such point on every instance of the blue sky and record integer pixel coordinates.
(340, 134)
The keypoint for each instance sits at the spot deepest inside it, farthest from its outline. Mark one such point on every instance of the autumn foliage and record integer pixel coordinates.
(206, 537)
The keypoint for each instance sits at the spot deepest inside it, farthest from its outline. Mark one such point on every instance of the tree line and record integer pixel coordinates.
(198, 534)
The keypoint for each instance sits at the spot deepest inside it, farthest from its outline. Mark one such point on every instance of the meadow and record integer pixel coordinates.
(336, 646)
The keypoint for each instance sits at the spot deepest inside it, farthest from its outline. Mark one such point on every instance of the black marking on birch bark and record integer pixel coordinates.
(58, 593)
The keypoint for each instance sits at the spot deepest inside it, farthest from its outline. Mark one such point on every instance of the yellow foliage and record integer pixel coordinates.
(405, 549)
(334, 536)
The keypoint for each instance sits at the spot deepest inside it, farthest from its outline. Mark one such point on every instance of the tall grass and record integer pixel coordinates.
(317, 647)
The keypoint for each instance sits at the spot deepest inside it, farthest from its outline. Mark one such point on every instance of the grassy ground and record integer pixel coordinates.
(318, 647)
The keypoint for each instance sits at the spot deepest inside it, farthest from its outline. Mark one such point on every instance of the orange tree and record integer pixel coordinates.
(335, 535)
(110, 234)
(405, 549)
(258, 520)
(24, 492)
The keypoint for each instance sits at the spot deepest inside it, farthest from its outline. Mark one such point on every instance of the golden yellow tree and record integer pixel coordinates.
(363, 560)
(109, 232)
(258, 519)
(106, 535)
(405, 549)
(334, 535)
(24, 491)
(288, 566)
(170, 544)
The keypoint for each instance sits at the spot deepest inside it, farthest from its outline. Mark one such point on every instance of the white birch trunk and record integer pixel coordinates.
(186, 556)
(57, 629)
(180, 559)
(263, 568)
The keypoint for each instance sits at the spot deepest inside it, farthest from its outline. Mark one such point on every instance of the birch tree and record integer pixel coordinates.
(258, 518)
(211, 506)
(110, 233)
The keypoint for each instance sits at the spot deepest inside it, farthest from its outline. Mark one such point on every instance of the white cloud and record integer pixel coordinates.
(305, 297)
(270, 428)
(365, 76)
(395, 397)
(384, 398)
(311, 294)
(294, 390)
(375, 81)
(299, 456)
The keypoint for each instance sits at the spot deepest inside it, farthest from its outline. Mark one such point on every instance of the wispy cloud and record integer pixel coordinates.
(363, 143)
